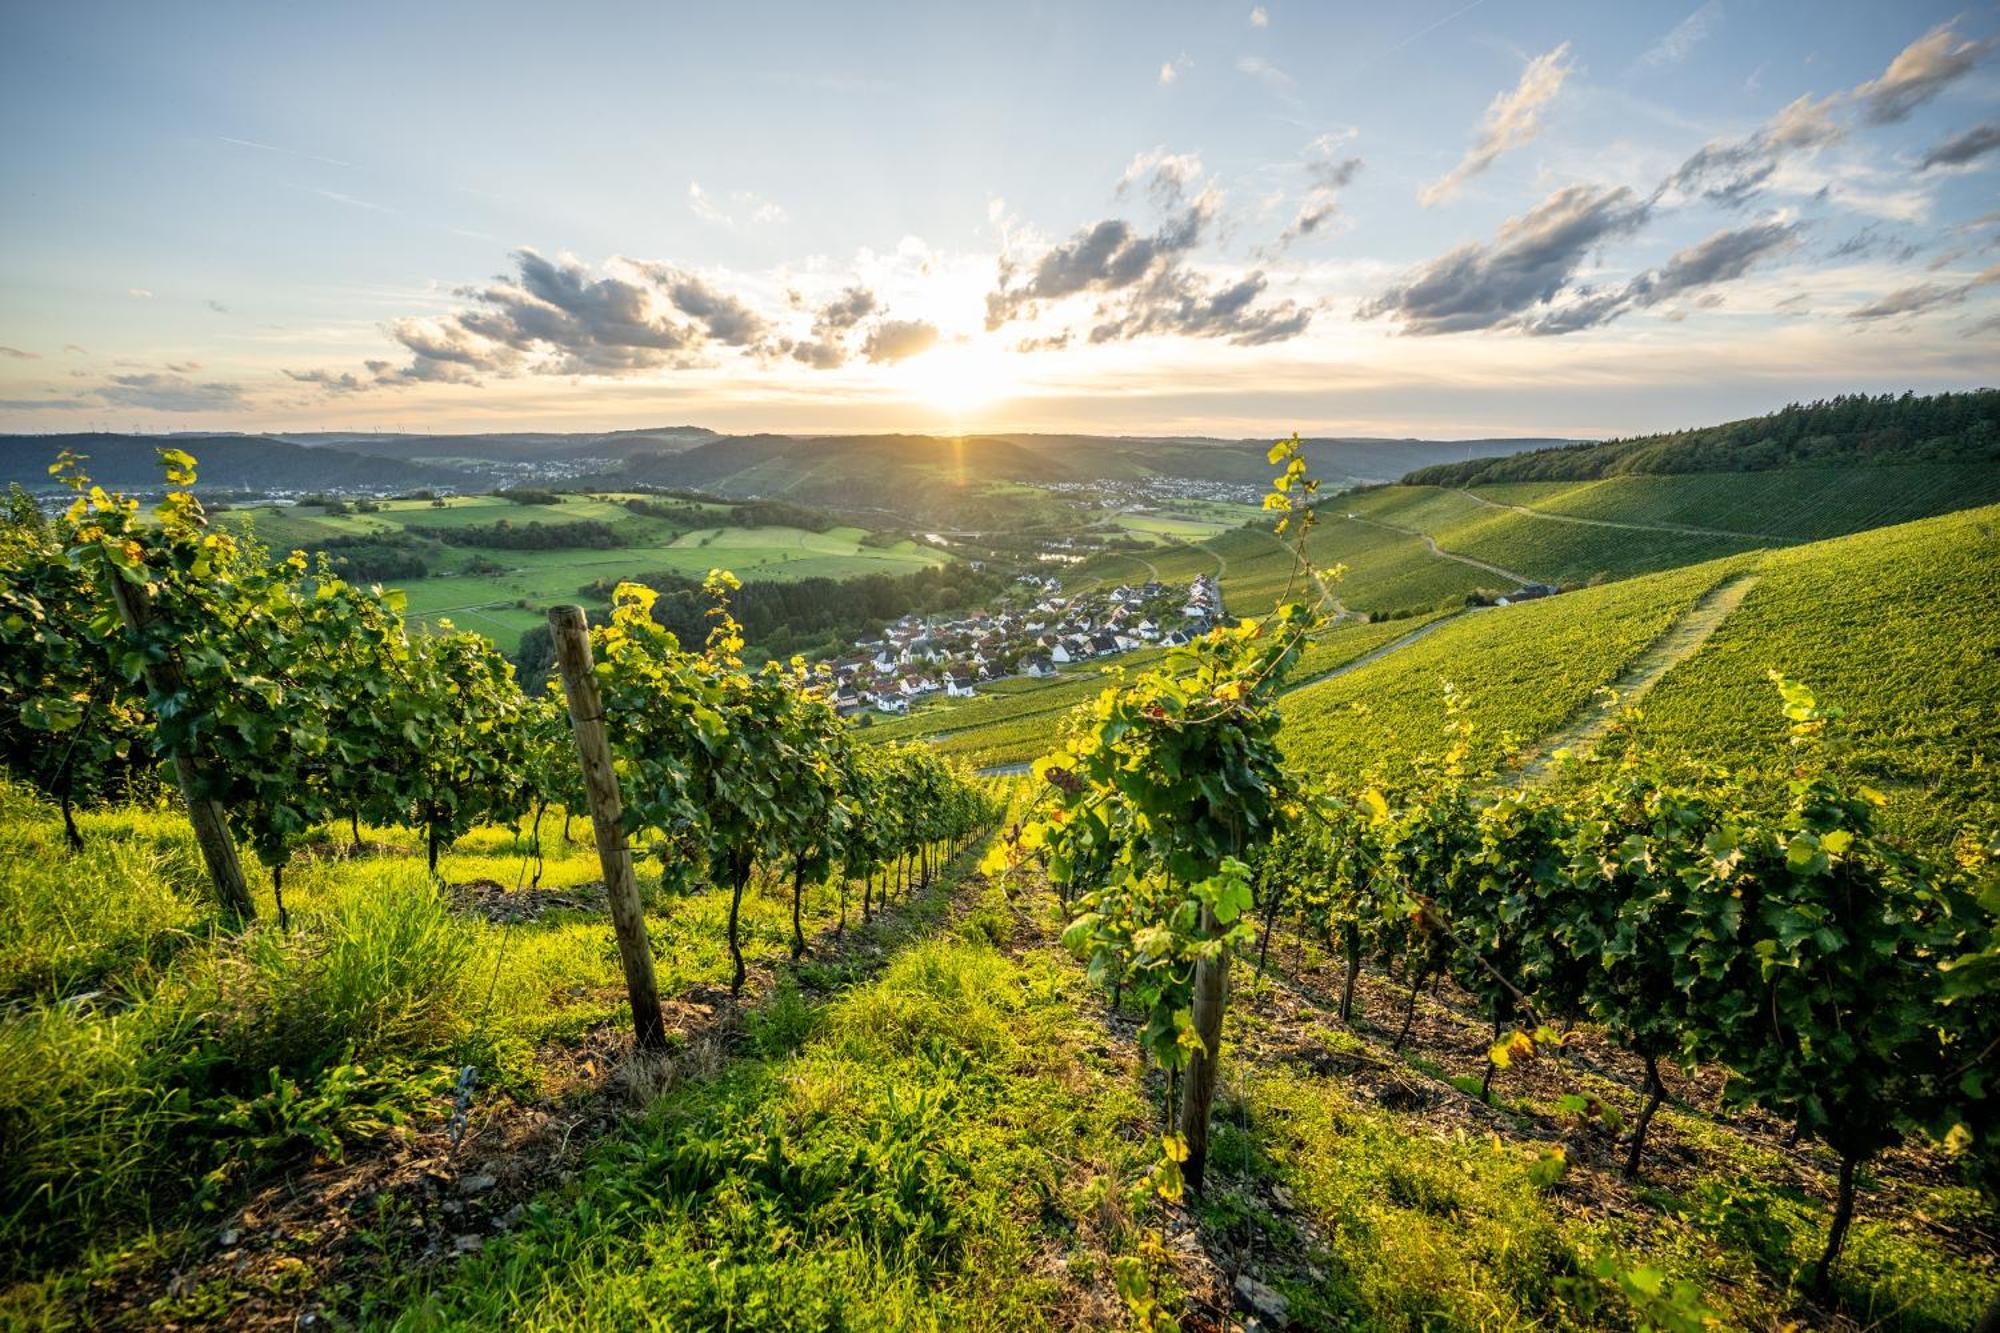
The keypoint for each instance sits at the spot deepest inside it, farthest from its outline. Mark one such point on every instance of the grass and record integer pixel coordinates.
(940, 1148)
(150, 1065)
(506, 605)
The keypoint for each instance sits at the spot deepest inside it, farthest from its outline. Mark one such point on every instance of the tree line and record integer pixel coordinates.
(1846, 430)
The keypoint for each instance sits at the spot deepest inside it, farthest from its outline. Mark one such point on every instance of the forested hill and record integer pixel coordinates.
(228, 462)
(1849, 430)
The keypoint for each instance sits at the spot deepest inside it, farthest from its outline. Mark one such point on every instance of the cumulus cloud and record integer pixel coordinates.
(1106, 256)
(16, 354)
(1689, 33)
(554, 316)
(1176, 301)
(1511, 120)
(827, 348)
(1530, 261)
(1922, 70)
(1259, 17)
(1144, 279)
(1963, 149)
(217, 307)
(1171, 70)
(899, 339)
(169, 393)
(139, 293)
(1166, 177)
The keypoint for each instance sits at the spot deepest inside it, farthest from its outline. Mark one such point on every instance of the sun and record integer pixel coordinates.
(958, 379)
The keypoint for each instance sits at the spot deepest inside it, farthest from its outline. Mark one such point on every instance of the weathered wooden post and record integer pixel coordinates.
(211, 826)
(607, 819)
(1211, 990)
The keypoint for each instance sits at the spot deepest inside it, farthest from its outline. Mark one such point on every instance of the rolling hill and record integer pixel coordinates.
(228, 462)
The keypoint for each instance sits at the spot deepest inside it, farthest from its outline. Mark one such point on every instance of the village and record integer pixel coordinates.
(1039, 631)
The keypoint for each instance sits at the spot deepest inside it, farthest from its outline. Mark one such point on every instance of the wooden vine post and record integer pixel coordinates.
(607, 818)
(1211, 996)
(211, 826)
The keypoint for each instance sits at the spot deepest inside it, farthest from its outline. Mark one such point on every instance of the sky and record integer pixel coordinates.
(1436, 218)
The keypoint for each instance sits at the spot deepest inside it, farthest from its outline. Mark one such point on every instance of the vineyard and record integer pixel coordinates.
(1279, 990)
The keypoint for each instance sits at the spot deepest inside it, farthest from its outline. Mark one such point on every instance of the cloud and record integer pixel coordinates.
(1530, 261)
(1732, 173)
(1922, 70)
(1723, 257)
(1267, 74)
(1512, 119)
(1962, 149)
(1176, 301)
(216, 306)
(1872, 240)
(1259, 17)
(1913, 301)
(827, 348)
(557, 317)
(169, 393)
(1166, 176)
(1106, 256)
(1910, 301)
(16, 354)
(1171, 70)
(899, 339)
(1689, 33)
(1330, 175)
(743, 202)
(702, 206)
(141, 293)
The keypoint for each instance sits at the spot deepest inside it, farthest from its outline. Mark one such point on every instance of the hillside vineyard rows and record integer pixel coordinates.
(1278, 989)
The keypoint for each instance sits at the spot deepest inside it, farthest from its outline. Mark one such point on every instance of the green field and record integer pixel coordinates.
(505, 605)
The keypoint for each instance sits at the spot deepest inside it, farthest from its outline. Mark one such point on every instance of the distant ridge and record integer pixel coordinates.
(227, 462)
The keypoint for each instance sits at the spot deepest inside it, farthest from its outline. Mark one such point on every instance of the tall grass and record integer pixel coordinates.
(227, 1060)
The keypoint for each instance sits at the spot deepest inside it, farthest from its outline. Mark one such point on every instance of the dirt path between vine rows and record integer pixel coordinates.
(1681, 639)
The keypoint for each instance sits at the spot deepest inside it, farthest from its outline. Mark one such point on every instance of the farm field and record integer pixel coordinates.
(491, 603)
